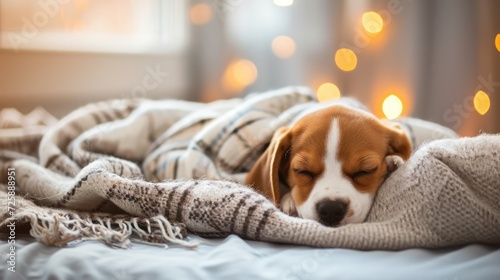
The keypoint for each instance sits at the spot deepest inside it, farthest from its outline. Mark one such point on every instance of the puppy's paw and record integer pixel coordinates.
(393, 162)
(288, 206)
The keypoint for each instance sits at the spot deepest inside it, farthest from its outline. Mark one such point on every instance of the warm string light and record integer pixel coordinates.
(283, 46)
(283, 3)
(372, 22)
(241, 73)
(327, 92)
(497, 42)
(481, 102)
(392, 107)
(238, 75)
(200, 14)
(346, 59)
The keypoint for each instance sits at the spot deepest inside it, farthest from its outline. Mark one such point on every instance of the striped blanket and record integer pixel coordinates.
(156, 170)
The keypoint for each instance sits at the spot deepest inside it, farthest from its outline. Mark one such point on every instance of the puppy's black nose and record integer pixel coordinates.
(331, 212)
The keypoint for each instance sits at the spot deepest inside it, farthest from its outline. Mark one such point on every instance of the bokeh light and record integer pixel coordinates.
(346, 59)
(200, 14)
(283, 3)
(238, 75)
(481, 102)
(497, 42)
(392, 107)
(327, 92)
(372, 22)
(283, 46)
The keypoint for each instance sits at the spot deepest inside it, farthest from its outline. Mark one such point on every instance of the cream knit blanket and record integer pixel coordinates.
(80, 178)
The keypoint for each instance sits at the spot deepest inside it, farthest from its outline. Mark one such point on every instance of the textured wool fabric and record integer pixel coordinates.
(86, 182)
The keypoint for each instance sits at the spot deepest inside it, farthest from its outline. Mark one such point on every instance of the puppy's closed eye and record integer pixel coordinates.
(304, 173)
(363, 173)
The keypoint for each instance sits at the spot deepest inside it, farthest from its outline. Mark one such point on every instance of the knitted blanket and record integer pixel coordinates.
(155, 170)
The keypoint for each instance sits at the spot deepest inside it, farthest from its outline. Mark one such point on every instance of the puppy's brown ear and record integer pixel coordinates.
(399, 142)
(264, 175)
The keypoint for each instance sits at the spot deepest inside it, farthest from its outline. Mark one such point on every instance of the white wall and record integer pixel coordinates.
(61, 82)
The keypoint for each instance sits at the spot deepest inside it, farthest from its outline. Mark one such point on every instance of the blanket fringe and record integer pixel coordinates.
(57, 229)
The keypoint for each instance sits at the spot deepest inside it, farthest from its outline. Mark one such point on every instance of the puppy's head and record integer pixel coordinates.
(332, 161)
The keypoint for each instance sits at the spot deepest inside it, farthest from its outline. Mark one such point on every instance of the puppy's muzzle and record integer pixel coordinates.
(331, 212)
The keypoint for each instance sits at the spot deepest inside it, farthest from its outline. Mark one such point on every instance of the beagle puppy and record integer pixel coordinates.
(329, 163)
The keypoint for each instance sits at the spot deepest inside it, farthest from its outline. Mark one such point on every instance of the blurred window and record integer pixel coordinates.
(128, 26)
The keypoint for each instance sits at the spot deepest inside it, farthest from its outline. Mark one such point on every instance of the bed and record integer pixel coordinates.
(233, 257)
(108, 207)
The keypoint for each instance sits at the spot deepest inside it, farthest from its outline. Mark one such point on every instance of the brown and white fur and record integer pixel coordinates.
(328, 164)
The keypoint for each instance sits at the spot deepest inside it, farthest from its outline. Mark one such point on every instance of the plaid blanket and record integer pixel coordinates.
(156, 170)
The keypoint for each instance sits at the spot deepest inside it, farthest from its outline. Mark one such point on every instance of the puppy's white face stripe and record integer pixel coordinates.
(334, 185)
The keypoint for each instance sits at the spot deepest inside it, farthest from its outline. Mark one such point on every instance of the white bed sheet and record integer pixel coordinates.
(235, 258)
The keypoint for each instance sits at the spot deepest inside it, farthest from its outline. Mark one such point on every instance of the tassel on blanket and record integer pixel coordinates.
(57, 228)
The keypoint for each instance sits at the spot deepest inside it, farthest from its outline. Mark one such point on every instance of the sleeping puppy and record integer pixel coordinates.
(328, 165)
